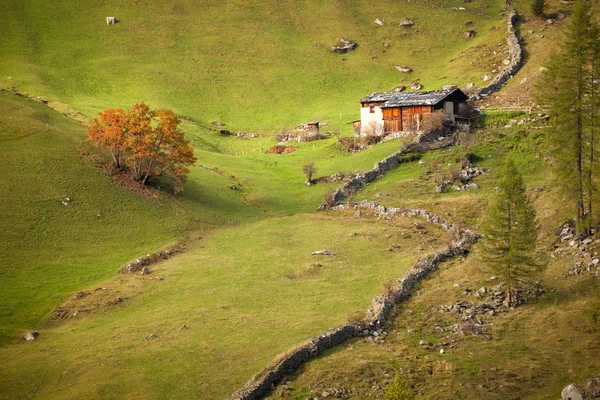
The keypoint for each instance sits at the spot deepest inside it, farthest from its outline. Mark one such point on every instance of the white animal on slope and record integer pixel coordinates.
(111, 20)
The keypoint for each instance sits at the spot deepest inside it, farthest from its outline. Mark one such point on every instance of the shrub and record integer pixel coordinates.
(398, 390)
(434, 121)
(369, 140)
(409, 157)
(350, 144)
(537, 7)
(329, 199)
(349, 192)
(309, 170)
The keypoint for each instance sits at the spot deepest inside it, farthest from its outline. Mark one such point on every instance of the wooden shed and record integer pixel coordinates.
(385, 113)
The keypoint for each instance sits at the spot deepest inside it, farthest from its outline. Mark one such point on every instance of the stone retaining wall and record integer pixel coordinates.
(376, 315)
(425, 142)
(516, 56)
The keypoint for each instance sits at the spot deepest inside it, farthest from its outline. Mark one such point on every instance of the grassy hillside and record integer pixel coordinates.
(259, 65)
(247, 288)
(50, 249)
(244, 294)
(531, 352)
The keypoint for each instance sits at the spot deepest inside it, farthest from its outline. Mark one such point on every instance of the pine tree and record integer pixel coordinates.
(537, 7)
(569, 88)
(510, 230)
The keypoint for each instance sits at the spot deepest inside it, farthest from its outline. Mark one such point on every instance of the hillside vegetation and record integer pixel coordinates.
(243, 287)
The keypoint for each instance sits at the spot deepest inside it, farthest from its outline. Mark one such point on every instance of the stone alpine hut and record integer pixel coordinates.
(385, 113)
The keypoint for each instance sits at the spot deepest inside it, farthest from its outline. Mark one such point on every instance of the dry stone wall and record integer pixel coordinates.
(516, 56)
(425, 142)
(376, 315)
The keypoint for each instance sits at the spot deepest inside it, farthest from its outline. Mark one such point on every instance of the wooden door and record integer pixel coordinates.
(392, 120)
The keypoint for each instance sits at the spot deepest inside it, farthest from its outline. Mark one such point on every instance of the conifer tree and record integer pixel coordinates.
(510, 230)
(569, 89)
(537, 7)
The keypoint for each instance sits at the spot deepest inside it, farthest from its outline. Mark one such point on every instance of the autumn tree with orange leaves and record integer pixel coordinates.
(147, 143)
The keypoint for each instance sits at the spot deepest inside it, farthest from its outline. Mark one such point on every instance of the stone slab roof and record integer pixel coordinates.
(401, 99)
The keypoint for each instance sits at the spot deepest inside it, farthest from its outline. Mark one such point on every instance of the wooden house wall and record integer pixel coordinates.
(397, 119)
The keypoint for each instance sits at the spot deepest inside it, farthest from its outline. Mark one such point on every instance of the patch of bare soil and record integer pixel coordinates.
(278, 149)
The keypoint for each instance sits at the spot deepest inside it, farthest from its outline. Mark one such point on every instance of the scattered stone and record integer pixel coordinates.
(357, 214)
(472, 326)
(416, 86)
(524, 80)
(152, 336)
(469, 86)
(449, 87)
(343, 46)
(470, 33)
(323, 253)
(423, 342)
(585, 391)
(399, 88)
(79, 295)
(550, 21)
(407, 23)
(379, 21)
(30, 336)
(233, 187)
(226, 132)
(442, 351)
(486, 78)
(403, 68)
(217, 123)
(184, 326)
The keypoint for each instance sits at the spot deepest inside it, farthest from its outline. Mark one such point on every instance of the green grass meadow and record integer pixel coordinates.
(246, 287)
(258, 66)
